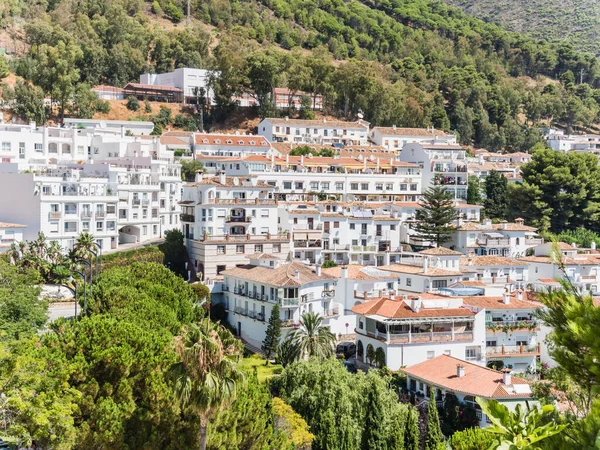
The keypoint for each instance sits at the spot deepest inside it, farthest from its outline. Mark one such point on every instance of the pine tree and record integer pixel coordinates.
(433, 433)
(374, 434)
(435, 216)
(496, 192)
(411, 430)
(273, 334)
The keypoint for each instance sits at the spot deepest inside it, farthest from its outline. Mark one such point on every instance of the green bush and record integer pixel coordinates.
(471, 439)
(173, 12)
(133, 104)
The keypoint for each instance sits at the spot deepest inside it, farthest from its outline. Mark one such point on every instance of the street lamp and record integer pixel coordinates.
(89, 264)
(74, 291)
(100, 251)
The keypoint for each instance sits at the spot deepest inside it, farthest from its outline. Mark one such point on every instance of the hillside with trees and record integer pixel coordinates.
(575, 22)
(412, 63)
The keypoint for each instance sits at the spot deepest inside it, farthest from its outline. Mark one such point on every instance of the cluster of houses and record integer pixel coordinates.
(328, 232)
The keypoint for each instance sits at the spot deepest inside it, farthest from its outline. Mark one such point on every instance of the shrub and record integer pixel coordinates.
(133, 104)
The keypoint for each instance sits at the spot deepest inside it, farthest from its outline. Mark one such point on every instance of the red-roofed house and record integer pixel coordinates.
(412, 329)
(445, 374)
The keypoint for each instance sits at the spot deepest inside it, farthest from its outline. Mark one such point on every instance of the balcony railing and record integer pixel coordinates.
(429, 336)
(331, 312)
(232, 219)
(534, 241)
(244, 237)
(307, 244)
(493, 242)
(86, 214)
(100, 214)
(512, 324)
(187, 217)
(289, 301)
(240, 201)
(252, 314)
(55, 214)
(364, 248)
(290, 323)
(136, 202)
(513, 350)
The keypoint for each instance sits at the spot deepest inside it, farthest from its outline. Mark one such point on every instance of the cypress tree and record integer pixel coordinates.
(374, 434)
(434, 219)
(273, 334)
(433, 433)
(411, 431)
(496, 193)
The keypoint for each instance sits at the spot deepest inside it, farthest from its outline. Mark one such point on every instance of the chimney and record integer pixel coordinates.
(504, 225)
(506, 298)
(487, 222)
(393, 127)
(324, 119)
(345, 272)
(425, 264)
(481, 160)
(573, 244)
(122, 131)
(287, 118)
(318, 270)
(297, 275)
(460, 370)
(460, 220)
(519, 294)
(222, 177)
(415, 304)
(593, 245)
(199, 176)
(506, 377)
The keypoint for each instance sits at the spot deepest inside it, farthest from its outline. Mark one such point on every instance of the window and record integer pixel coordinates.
(298, 185)
(409, 281)
(287, 184)
(221, 269)
(392, 227)
(22, 150)
(325, 186)
(110, 226)
(336, 224)
(403, 186)
(85, 226)
(339, 186)
(439, 284)
(490, 343)
(352, 226)
(145, 230)
(38, 147)
(111, 209)
(314, 185)
(354, 186)
(363, 229)
(413, 187)
(389, 186)
(276, 248)
(522, 341)
(239, 249)
(6, 147)
(471, 353)
(54, 227)
(258, 248)
(379, 186)
(264, 213)
(448, 352)
(430, 354)
(220, 249)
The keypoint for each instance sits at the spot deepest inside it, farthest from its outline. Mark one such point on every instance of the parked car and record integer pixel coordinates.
(346, 350)
(351, 366)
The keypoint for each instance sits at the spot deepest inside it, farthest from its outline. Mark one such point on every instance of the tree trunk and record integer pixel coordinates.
(203, 425)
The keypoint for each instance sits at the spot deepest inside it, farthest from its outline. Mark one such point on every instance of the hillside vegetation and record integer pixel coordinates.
(574, 21)
(404, 62)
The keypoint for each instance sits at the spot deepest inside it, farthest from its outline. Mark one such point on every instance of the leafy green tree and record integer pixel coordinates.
(28, 102)
(311, 339)
(434, 218)
(496, 195)
(472, 439)
(172, 11)
(4, 69)
(147, 106)
(373, 436)
(85, 102)
(411, 430)
(156, 8)
(328, 263)
(519, 429)
(84, 246)
(292, 424)
(433, 432)
(189, 169)
(207, 376)
(133, 104)
(474, 196)
(175, 252)
(273, 333)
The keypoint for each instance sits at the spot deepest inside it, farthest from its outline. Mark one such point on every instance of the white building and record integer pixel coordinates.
(394, 138)
(412, 329)
(185, 78)
(251, 290)
(10, 233)
(118, 126)
(447, 374)
(495, 270)
(314, 131)
(210, 144)
(226, 219)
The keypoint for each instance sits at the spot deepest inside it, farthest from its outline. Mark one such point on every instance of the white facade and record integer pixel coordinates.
(314, 131)
(394, 138)
(184, 78)
(10, 233)
(119, 126)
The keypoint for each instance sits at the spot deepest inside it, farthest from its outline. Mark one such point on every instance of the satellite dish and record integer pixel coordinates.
(236, 181)
(360, 115)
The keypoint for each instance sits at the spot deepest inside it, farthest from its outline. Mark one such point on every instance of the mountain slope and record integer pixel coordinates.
(574, 21)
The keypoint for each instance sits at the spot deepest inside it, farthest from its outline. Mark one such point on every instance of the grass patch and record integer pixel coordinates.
(257, 362)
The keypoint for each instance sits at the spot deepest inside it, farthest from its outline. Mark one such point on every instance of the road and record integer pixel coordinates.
(62, 309)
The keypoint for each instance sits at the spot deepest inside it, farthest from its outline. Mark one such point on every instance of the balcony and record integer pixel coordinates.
(331, 313)
(364, 248)
(145, 202)
(493, 242)
(244, 238)
(86, 214)
(290, 323)
(136, 202)
(510, 325)
(429, 336)
(252, 314)
(100, 214)
(307, 244)
(240, 201)
(187, 217)
(55, 215)
(534, 241)
(289, 301)
(240, 219)
(509, 351)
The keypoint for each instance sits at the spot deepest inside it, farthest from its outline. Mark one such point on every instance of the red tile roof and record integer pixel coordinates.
(230, 139)
(395, 131)
(399, 309)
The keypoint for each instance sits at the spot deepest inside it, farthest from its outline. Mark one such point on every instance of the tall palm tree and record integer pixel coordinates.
(84, 245)
(208, 375)
(312, 339)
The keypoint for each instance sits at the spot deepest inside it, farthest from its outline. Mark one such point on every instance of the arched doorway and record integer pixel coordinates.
(360, 351)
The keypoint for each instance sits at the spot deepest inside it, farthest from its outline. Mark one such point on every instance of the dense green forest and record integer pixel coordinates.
(404, 62)
(577, 22)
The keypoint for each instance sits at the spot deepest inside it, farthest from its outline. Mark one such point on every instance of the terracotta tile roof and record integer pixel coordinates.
(304, 211)
(104, 87)
(283, 275)
(474, 226)
(230, 139)
(398, 309)
(332, 214)
(395, 131)
(548, 281)
(355, 272)
(489, 261)
(498, 303)
(317, 123)
(565, 246)
(477, 381)
(440, 251)
(407, 204)
(174, 140)
(229, 182)
(11, 225)
(418, 270)
(588, 260)
(263, 256)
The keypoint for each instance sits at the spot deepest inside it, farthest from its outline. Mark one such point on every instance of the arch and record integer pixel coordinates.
(52, 147)
(66, 148)
(370, 354)
(518, 241)
(380, 357)
(360, 350)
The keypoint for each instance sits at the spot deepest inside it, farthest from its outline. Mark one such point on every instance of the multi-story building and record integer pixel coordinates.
(513, 334)
(314, 131)
(412, 329)
(443, 164)
(495, 270)
(431, 380)
(286, 98)
(251, 290)
(487, 238)
(394, 138)
(189, 80)
(226, 219)
(211, 145)
(10, 233)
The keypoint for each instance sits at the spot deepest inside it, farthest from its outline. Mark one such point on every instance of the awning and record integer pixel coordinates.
(467, 292)
(494, 235)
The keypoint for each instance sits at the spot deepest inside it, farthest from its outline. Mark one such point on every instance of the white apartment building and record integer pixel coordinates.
(314, 131)
(495, 270)
(226, 219)
(394, 138)
(310, 177)
(116, 126)
(185, 78)
(251, 290)
(412, 329)
(513, 334)
(209, 144)
(443, 164)
(494, 239)
(10, 233)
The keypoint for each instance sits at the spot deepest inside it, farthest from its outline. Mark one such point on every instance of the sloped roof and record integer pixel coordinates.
(11, 225)
(489, 261)
(395, 131)
(355, 272)
(440, 251)
(496, 302)
(283, 276)
(398, 309)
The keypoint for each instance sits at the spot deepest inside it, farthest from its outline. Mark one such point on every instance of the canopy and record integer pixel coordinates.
(494, 235)
(465, 291)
